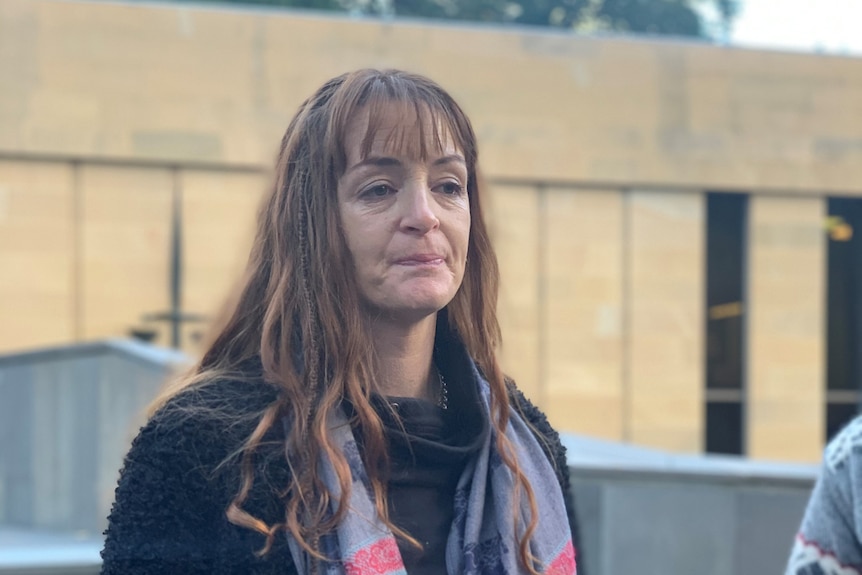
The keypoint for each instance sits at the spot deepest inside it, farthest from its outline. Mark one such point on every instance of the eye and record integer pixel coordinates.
(378, 191)
(451, 188)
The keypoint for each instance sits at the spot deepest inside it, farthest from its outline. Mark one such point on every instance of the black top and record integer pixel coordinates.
(429, 448)
(426, 462)
(169, 510)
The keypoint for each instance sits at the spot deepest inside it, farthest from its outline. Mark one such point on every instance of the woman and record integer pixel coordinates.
(350, 415)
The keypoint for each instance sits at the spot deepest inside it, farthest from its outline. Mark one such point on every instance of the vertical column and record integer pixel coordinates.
(514, 223)
(126, 220)
(36, 254)
(582, 308)
(665, 326)
(786, 369)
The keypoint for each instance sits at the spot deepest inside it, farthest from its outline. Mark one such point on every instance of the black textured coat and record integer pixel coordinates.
(169, 510)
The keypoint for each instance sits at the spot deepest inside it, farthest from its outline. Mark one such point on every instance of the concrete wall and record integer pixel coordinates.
(584, 306)
(37, 254)
(67, 417)
(671, 522)
(787, 294)
(666, 288)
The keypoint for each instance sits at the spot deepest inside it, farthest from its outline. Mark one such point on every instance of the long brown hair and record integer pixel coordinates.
(298, 306)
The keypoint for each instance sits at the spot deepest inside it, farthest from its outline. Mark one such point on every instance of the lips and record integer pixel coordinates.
(420, 260)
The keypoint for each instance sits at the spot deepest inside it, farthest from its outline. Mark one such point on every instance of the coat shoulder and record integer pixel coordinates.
(169, 508)
(548, 437)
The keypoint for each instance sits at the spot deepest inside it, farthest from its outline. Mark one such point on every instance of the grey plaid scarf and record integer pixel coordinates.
(482, 540)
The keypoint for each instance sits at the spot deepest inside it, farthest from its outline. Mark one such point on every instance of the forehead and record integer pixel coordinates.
(399, 129)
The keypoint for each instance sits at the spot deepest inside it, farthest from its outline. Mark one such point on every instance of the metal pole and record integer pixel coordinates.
(176, 261)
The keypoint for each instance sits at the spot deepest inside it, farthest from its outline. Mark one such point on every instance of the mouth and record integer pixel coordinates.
(421, 260)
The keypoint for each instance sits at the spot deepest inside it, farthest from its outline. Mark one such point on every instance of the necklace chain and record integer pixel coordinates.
(443, 401)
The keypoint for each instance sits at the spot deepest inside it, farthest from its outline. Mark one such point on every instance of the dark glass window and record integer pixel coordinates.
(837, 416)
(726, 220)
(724, 427)
(844, 312)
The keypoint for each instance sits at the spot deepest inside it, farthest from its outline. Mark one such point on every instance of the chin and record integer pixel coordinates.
(419, 309)
(413, 309)
(411, 301)
(433, 299)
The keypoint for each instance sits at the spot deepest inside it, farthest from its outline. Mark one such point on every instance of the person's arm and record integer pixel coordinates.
(829, 537)
(164, 518)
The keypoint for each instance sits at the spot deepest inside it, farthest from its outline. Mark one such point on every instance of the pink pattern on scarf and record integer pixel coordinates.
(379, 558)
(565, 563)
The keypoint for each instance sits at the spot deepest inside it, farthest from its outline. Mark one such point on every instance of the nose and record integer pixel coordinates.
(418, 210)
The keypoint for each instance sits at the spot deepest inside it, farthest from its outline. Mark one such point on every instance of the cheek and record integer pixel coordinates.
(361, 254)
(464, 234)
(366, 243)
(352, 234)
(354, 227)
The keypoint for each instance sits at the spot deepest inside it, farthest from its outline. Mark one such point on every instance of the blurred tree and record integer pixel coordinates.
(727, 12)
(673, 17)
(676, 17)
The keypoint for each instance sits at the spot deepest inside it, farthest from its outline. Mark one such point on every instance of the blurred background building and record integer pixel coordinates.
(675, 220)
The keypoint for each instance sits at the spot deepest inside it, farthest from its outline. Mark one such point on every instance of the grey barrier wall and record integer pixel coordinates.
(653, 513)
(67, 416)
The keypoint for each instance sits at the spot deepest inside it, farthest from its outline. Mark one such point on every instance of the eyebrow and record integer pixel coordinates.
(388, 162)
(452, 158)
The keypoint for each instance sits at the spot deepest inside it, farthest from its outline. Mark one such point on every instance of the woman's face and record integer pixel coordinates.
(406, 219)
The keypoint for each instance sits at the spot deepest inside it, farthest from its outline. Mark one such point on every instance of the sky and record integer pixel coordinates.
(830, 26)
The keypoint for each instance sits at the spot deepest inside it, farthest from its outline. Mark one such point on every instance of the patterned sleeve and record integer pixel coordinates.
(828, 542)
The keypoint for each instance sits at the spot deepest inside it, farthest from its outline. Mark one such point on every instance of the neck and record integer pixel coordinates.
(405, 356)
